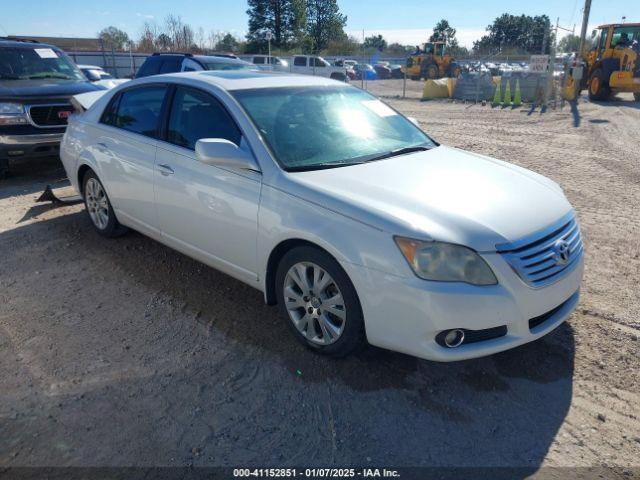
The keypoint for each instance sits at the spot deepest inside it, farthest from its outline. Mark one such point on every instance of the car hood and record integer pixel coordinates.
(42, 88)
(444, 194)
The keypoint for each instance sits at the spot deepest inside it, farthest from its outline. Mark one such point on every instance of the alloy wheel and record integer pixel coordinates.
(97, 203)
(314, 303)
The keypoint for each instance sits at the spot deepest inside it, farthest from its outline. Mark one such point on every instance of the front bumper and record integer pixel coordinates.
(29, 146)
(406, 314)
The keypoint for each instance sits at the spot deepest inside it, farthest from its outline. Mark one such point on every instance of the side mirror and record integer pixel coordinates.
(414, 120)
(223, 153)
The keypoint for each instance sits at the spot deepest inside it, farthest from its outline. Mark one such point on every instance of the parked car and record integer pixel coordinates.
(351, 73)
(365, 71)
(383, 71)
(318, 66)
(269, 63)
(345, 63)
(36, 82)
(341, 210)
(396, 71)
(98, 76)
(187, 62)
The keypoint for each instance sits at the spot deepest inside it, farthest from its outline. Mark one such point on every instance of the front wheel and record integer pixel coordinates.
(598, 88)
(319, 302)
(99, 207)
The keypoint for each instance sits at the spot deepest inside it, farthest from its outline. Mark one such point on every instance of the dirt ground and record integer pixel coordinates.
(124, 352)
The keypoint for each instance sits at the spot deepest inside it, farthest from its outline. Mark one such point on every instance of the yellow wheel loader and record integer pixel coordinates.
(431, 62)
(613, 65)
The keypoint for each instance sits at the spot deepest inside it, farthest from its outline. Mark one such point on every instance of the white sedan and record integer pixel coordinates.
(341, 210)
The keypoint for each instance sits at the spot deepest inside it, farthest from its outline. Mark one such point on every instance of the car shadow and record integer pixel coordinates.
(31, 176)
(224, 376)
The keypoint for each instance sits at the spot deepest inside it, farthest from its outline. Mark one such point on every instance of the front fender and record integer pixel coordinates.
(283, 217)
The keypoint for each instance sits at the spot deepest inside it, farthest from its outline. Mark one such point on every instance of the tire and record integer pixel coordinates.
(598, 87)
(99, 208)
(338, 76)
(337, 327)
(636, 95)
(431, 72)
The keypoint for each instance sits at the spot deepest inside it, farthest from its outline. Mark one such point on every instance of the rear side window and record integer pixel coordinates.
(300, 61)
(137, 110)
(171, 64)
(196, 115)
(151, 66)
(258, 60)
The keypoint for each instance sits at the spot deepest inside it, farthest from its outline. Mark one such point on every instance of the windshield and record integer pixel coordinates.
(228, 66)
(310, 127)
(37, 62)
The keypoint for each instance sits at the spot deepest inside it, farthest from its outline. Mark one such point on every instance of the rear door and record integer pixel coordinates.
(126, 148)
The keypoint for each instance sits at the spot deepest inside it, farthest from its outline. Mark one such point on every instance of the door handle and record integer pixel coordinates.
(165, 169)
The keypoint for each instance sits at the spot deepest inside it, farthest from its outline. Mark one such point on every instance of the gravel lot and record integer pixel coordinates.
(124, 352)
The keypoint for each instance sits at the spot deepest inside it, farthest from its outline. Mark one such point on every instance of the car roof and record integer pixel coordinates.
(9, 42)
(92, 67)
(252, 79)
(217, 59)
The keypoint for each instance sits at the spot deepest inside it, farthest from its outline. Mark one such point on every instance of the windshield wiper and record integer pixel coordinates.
(399, 151)
(50, 75)
(320, 166)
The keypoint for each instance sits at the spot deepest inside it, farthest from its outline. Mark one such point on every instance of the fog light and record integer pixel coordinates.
(454, 338)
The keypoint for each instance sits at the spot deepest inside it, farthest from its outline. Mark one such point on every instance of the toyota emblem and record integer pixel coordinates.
(561, 252)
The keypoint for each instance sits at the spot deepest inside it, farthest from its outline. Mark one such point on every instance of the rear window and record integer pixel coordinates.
(300, 61)
(258, 60)
(151, 66)
(136, 110)
(171, 64)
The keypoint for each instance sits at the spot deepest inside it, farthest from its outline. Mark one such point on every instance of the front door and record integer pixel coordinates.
(206, 211)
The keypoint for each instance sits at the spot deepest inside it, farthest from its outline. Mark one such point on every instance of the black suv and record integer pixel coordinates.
(187, 62)
(36, 83)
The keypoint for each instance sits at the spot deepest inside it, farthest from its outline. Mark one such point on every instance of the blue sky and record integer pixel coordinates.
(405, 21)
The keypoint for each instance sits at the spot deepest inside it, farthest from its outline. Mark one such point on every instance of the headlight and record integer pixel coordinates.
(445, 262)
(12, 114)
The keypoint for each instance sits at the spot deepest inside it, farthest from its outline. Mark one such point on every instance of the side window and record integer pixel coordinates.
(138, 110)
(318, 62)
(189, 65)
(109, 115)
(196, 115)
(151, 66)
(300, 61)
(171, 64)
(258, 60)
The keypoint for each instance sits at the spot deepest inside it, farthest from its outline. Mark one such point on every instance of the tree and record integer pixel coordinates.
(397, 50)
(285, 19)
(228, 43)
(325, 23)
(443, 32)
(376, 42)
(571, 43)
(517, 33)
(113, 38)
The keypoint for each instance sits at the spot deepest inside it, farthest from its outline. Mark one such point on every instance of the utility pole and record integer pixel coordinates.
(585, 24)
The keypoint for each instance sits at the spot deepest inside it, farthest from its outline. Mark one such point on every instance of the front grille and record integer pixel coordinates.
(50, 115)
(539, 259)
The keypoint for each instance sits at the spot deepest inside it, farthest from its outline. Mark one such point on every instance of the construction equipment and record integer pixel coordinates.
(431, 62)
(613, 65)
